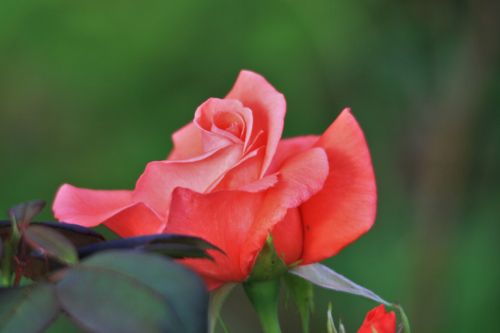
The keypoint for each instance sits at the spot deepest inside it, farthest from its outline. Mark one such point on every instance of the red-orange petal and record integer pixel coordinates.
(379, 320)
(239, 222)
(221, 218)
(346, 206)
(300, 177)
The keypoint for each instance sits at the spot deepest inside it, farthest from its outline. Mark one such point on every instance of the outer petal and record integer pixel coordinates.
(156, 184)
(187, 143)
(135, 220)
(289, 147)
(268, 107)
(245, 173)
(345, 208)
(301, 176)
(221, 218)
(90, 208)
(288, 237)
(238, 222)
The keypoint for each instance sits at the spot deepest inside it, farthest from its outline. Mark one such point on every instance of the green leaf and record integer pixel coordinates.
(28, 309)
(325, 277)
(51, 243)
(303, 296)
(132, 291)
(217, 299)
(330, 325)
(24, 213)
(341, 327)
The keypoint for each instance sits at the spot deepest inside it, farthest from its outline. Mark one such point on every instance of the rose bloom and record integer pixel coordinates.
(379, 321)
(232, 180)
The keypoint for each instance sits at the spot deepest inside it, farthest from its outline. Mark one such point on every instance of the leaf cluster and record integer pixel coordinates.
(123, 285)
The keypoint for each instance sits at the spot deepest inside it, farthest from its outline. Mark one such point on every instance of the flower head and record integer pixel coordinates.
(232, 180)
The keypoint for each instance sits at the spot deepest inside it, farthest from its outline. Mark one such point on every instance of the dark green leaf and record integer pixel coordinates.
(26, 211)
(78, 235)
(27, 309)
(176, 246)
(36, 265)
(132, 291)
(302, 295)
(51, 243)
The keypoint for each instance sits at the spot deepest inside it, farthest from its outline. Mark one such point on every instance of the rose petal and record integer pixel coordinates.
(223, 121)
(239, 222)
(288, 237)
(379, 320)
(245, 173)
(345, 208)
(300, 177)
(87, 207)
(90, 208)
(268, 107)
(187, 143)
(136, 220)
(156, 184)
(289, 147)
(221, 218)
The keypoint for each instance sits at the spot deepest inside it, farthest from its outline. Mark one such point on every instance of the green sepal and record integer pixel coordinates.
(264, 296)
(269, 265)
(302, 293)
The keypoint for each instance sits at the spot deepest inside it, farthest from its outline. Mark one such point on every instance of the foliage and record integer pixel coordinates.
(125, 285)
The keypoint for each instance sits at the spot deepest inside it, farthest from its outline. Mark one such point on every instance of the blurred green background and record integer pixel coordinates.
(90, 91)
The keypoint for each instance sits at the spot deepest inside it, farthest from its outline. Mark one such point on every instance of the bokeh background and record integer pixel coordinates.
(90, 91)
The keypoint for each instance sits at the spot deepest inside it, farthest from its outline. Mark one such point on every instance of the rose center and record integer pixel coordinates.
(230, 122)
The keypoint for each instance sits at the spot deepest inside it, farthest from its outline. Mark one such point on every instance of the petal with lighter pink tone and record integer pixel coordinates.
(346, 206)
(223, 121)
(135, 220)
(115, 209)
(187, 143)
(268, 108)
(87, 207)
(289, 147)
(245, 173)
(156, 184)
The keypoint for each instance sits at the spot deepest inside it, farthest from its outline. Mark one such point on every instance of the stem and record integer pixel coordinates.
(404, 319)
(264, 297)
(10, 249)
(7, 265)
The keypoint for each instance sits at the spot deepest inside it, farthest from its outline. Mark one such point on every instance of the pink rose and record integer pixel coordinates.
(232, 180)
